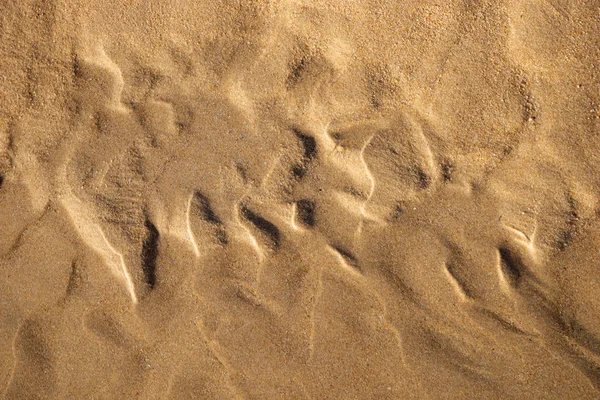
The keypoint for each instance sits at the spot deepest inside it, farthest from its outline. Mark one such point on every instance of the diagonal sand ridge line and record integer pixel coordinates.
(188, 225)
(363, 208)
(117, 264)
(92, 234)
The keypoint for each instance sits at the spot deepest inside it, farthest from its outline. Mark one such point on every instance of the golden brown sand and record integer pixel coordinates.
(300, 199)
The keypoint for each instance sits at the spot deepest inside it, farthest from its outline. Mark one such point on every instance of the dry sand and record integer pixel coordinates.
(300, 199)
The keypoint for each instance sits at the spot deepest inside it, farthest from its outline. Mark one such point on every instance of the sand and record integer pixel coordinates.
(299, 199)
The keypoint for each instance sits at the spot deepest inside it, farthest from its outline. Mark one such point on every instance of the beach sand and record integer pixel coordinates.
(299, 199)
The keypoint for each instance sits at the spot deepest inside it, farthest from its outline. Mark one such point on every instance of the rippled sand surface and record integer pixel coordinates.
(299, 199)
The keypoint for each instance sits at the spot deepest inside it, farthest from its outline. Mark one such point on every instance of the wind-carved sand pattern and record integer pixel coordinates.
(250, 237)
(92, 235)
(105, 192)
(455, 281)
(199, 209)
(192, 205)
(342, 150)
(88, 228)
(264, 200)
(512, 270)
(363, 207)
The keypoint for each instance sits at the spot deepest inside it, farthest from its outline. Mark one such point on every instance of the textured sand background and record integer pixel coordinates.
(299, 199)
